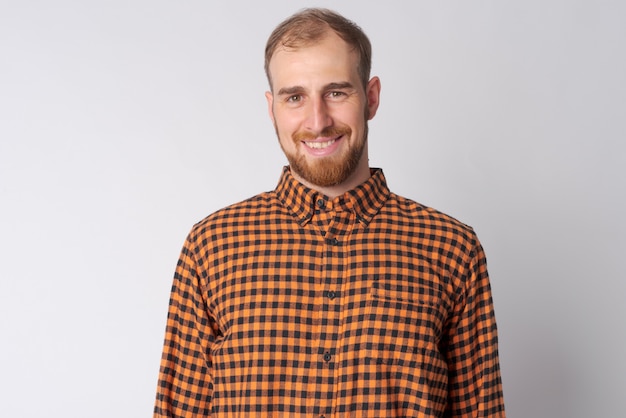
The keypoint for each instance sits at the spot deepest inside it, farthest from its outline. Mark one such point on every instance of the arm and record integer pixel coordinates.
(475, 387)
(185, 385)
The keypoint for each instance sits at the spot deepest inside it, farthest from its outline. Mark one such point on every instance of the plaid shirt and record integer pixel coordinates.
(292, 304)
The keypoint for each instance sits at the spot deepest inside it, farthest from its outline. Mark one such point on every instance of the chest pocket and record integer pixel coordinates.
(405, 318)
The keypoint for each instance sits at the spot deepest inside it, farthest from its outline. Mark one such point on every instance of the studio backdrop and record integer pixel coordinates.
(123, 123)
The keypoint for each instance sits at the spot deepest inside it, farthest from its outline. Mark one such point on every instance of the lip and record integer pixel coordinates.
(325, 151)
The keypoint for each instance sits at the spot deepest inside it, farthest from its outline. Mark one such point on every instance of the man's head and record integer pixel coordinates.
(318, 65)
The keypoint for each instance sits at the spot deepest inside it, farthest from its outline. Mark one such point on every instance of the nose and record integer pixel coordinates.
(318, 116)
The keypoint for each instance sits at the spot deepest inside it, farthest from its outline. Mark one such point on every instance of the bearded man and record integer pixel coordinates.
(329, 296)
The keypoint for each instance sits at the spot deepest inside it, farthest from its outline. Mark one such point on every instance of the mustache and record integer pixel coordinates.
(331, 131)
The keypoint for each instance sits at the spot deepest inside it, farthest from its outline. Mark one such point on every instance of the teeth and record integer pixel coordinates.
(320, 145)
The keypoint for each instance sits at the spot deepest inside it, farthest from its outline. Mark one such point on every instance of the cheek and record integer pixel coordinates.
(284, 136)
(286, 125)
(354, 117)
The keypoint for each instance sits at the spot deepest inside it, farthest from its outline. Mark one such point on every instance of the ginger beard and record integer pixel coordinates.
(326, 171)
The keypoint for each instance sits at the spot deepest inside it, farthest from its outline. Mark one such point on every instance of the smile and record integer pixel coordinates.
(320, 145)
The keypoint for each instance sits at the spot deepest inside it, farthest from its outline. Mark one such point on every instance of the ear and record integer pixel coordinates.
(373, 96)
(270, 104)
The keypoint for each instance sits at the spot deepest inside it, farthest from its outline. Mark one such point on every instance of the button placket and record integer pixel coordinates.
(337, 222)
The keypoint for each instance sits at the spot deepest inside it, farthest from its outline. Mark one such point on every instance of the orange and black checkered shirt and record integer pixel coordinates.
(291, 304)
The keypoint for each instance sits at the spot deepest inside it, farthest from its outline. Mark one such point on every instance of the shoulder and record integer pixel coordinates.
(427, 222)
(237, 216)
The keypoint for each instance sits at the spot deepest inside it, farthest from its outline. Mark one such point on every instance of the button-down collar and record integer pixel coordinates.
(365, 200)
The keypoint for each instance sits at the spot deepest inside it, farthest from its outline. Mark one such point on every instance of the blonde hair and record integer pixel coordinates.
(311, 25)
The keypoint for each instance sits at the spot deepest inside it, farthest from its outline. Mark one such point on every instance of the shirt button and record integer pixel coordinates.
(333, 241)
(320, 203)
(327, 357)
(332, 295)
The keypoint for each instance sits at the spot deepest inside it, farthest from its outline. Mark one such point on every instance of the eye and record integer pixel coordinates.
(294, 99)
(336, 94)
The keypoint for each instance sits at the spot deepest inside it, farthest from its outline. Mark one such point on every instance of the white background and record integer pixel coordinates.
(122, 123)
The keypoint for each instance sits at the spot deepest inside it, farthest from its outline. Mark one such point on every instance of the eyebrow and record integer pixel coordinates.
(339, 86)
(290, 90)
(330, 86)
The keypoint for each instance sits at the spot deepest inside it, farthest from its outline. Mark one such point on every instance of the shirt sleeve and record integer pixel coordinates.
(475, 386)
(185, 385)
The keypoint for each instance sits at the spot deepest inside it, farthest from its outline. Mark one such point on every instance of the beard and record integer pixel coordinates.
(327, 171)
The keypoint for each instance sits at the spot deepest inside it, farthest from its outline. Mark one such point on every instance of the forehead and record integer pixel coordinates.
(327, 57)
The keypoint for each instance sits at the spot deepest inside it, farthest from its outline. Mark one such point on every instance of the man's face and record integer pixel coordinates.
(320, 110)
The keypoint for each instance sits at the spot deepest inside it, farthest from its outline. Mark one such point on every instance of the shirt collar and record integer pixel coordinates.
(365, 200)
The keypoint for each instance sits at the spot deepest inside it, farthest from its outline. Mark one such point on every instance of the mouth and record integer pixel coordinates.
(320, 144)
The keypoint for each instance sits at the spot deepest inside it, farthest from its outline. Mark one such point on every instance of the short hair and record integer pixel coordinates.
(311, 25)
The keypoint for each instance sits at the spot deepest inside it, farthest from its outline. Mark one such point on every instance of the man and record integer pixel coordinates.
(329, 296)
